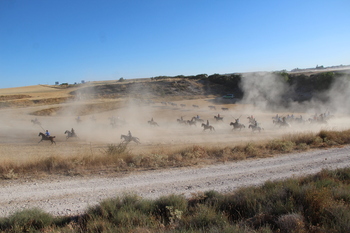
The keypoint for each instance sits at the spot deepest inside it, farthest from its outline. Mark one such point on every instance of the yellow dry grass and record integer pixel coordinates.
(19, 136)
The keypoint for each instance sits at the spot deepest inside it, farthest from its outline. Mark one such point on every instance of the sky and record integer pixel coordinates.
(67, 41)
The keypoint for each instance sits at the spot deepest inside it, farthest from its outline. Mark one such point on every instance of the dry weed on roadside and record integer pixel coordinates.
(119, 157)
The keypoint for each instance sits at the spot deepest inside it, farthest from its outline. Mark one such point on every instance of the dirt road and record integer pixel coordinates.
(72, 195)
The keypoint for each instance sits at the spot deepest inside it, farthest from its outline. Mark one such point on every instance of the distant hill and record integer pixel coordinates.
(303, 85)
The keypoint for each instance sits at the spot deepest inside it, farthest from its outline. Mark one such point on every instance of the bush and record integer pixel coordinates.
(290, 223)
(166, 206)
(281, 146)
(205, 217)
(30, 220)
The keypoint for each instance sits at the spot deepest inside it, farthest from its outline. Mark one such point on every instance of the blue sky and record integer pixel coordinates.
(44, 41)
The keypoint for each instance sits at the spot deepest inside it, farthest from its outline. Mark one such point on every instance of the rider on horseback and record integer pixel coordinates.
(47, 134)
(73, 132)
(129, 134)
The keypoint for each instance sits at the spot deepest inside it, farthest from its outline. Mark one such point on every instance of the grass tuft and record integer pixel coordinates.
(314, 203)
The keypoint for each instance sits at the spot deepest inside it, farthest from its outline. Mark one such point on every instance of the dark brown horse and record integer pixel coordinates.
(218, 118)
(197, 119)
(208, 127)
(191, 122)
(128, 139)
(152, 123)
(237, 125)
(255, 128)
(46, 138)
(70, 134)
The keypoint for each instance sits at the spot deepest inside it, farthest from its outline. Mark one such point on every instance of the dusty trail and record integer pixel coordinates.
(72, 195)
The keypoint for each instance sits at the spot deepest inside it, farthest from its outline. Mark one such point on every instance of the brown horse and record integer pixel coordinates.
(190, 123)
(197, 119)
(44, 138)
(208, 127)
(70, 134)
(255, 128)
(237, 125)
(128, 139)
(218, 118)
(153, 123)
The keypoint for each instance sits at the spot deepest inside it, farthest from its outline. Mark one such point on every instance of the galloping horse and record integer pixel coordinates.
(44, 137)
(128, 139)
(208, 127)
(181, 121)
(282, 123)
(251, 120)
(237, 125)
(36, 122)
(255, 128)
(190, 123)
(217, 118)
(197, 119)
(70, 134)
(153, 123)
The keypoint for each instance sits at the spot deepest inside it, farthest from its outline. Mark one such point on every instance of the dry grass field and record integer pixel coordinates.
(57, 110)
(66, 177)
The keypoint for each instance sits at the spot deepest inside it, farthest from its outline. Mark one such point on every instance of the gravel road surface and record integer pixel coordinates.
(73, 195)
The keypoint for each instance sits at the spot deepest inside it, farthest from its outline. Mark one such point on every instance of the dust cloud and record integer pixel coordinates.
(99, 122)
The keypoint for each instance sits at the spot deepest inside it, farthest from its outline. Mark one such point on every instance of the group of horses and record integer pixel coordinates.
(44, 137)
(287, 121)
(126, 138)
(235, 125)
